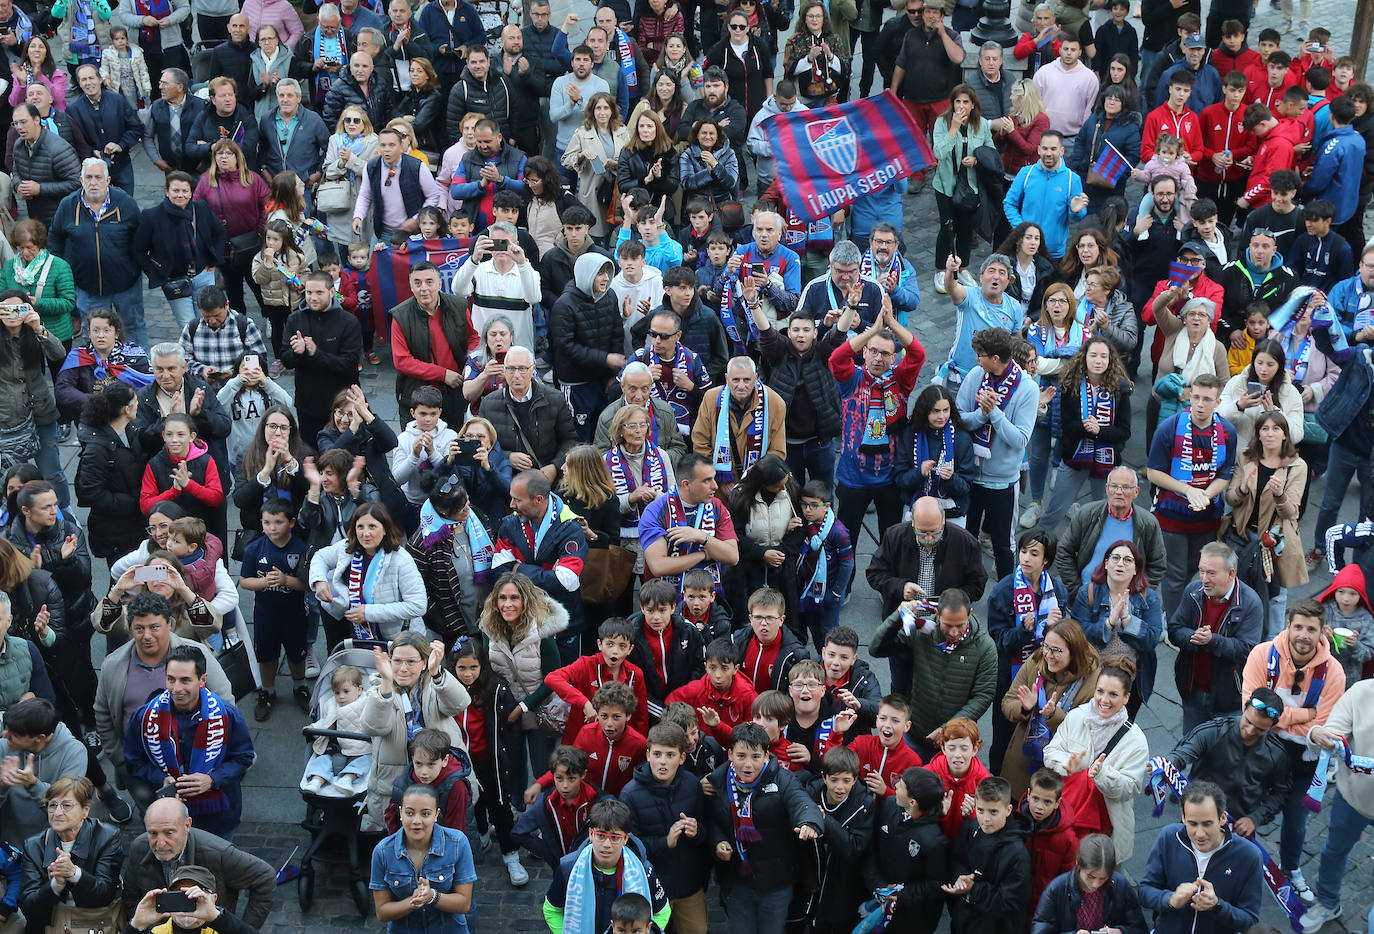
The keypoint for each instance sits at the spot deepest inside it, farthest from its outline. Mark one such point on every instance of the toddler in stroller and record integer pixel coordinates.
(342, 771)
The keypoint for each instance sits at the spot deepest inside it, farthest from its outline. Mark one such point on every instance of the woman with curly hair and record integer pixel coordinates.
(815, 57)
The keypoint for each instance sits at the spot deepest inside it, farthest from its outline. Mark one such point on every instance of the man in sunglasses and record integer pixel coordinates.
(1245, 757)
(1298, 665)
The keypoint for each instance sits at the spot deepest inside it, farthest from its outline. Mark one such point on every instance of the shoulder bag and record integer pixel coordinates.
(242, 247)
(606, 573)
(965, 198)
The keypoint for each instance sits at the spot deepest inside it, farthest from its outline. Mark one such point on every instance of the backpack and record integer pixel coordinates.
(240, 320)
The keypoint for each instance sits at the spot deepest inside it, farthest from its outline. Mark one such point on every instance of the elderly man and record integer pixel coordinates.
(840, 287)
(169, 124)
(218, 338)
(108, 123)
(323, 345)
(764, 273)
(171, 842)
(884, 264)
(46, 168)
(225, 118)
(953, 663)
(162, 750)
(638, 387)
(502, 282)
(979, 309)
(1299, 665)
(361, 85)
(533, 422)
(920, 561)
(397, 205)
(292, 137)
(1096, 526)
(688, 527)
(94, 230)
(1245, 757)
(1218, 622)
(739, 423)
(1199, 879)
(321, 54)
(137, 669)
(544, 540)
(993, 88)
(429, 338)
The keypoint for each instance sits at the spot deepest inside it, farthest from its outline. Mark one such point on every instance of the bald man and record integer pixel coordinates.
(521, 78)
(170, 842)
(361, 85)
(233, 58)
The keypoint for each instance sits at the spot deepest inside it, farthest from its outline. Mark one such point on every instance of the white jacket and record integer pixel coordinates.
(406, 467)
(398, 596)
(1121, 777)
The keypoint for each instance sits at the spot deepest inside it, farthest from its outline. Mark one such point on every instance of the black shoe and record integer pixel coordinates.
(92, 740)
(263, 709)
(121, 812)
(302, 696)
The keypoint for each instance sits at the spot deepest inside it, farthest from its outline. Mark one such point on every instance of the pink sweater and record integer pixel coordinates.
(57, 84)
(277, 13)
(1068, 95)
(240, 209)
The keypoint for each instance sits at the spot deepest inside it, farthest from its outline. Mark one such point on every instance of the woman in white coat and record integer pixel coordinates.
(594, 153)
(1103, 757)
(367, 583)
(1241, 404)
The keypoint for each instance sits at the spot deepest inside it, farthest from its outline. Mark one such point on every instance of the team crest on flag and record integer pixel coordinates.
(835, 144)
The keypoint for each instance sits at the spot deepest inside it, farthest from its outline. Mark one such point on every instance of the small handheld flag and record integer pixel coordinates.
(288, 870)
(1111, 165)
(1180, 272)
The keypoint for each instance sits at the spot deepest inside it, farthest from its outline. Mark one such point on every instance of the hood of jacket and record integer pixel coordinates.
(585, 271)
(1062, 816)
(1274, 264)
(198, 449)
(1349, 576)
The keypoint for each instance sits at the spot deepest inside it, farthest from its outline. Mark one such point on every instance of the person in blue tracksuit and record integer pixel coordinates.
(1339, 165)
(1049, 193)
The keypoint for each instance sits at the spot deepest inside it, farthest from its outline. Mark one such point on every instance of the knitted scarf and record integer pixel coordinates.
(653, 472)
(813, 594)
(739, 339)
(755, 436)
(436, 530)
(1005, 387)
(706, 519)
(1092, 455)
(1025, 605)
(150, 37)
(579, 906)
(929, 485)
(867, 271)
(664, 387)
(882, 405)
(160, 741)
(331, 50)
(362, 578)
(1314, 687)
(624, 53)
(742, 815)
(1184, 465)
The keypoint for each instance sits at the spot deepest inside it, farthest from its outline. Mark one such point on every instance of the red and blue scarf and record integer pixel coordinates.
(654, 472)
(1092, 455)
(1185, 466)
(882, 404)
(161, 741)
(1026, 606)
(929, 485)
(706, 519)
(742, 816)
(1005, 387)
(126, 363)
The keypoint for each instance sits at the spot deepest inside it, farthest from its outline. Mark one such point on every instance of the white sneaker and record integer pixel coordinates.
(940, 282)
(1303, 28)
(1314, 918)
(1302, 888)
(1032, 515)
(967, 279)
(312, 667)
(518, 875)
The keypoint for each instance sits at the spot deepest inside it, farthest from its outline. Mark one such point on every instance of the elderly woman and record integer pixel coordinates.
(485, 371)
(453, 551)
(1191, 349)
(354, 142)
(413, 692)
(45, 279)
(367, 583)
(104, 358)
(75, 862)
(28, 408)
(238, 197)
(640, 471)
(1105, 310)
(269, 63)
(193, 617)
(1119, 608)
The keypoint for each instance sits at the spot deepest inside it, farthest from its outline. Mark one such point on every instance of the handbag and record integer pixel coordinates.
(731, 214)
(238, 668)
(244, 246)
(964, 197)
(606, 573)
(333, 195)
(552, 715)
(1095, 178)
(18, 444)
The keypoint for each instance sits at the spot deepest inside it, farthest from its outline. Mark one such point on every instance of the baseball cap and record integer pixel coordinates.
(197, 875)
(1194, 40)
(1193, 246)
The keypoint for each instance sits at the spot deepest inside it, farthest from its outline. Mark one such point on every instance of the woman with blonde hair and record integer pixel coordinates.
(587, 489)
(403, 126)
(1029, 120)
(238, 198)
(594, 153)
(354, 142)
(639, 469)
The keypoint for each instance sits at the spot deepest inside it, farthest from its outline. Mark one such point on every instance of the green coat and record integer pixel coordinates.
(960, 684)
(949, 150)
(56, 301)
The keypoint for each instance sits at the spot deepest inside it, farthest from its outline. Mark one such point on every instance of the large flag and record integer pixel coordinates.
(829, 157)
(1110, 164)
(388, 276)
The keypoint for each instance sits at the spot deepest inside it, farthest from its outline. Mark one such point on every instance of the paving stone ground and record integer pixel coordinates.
(273, 808)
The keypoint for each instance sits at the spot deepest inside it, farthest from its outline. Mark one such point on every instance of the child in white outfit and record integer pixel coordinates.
(343, 773)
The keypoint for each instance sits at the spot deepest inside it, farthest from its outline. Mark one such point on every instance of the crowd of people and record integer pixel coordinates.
(605, 555)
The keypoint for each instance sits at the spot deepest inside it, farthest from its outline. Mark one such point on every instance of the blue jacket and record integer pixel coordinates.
(447, 865)
(1059, 904)
(1342, 409)
(1141, 632)
(114, 122)
(1006, 630)
(1240, 630)
(1337, 171)
(304, 153)
(466, 30)
(1043, 197)
(1124, 134)
(1235, 871)
(1343, 300)
(1206, 86)
(1011, 428)
(100, 252)
(881, 205)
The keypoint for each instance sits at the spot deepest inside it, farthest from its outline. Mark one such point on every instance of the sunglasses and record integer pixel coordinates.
(1264, 708)
(662, 335)
(353, 120)
(390, 174)
(738, 27)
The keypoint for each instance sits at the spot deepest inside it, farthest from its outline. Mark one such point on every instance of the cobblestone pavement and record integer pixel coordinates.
(273, 808)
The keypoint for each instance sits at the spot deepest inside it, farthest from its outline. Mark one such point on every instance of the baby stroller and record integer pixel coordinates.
(331, 818)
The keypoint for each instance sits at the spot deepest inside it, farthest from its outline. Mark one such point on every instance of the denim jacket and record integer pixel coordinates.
(1348, 398)
(447, 865)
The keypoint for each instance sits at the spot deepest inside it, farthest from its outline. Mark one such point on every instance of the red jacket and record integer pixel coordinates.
(1053, 847)
(1275, 153)
(610, 766)
(1202, 288)
(889, 763)
(1297, 69)
(576, 683)
(1023, 143)
(348, 292)
(1025, 47)
(1225, 63)
(1223, 129)
(1258, 89)
(455, 808)
(962, 788)
(1163, 120)
(734, 705)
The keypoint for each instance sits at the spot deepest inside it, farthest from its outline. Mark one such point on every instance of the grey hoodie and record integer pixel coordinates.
(757, 140)
(585, 270)
(22, 811)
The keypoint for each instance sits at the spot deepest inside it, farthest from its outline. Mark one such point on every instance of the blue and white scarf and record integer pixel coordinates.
(1026, 606)
(813, 594)
(929, 485)
(362, 578)
(624, 52)
(579, 905)
(331, 50)
(755, 437)
(435, 529)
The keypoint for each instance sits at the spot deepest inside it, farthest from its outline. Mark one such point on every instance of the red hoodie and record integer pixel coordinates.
(962, 788)
(1275, 153)
(1053, 846)
(873, 757)
(455, 808)
(610, 766)
(1353, 577)
(576, 683)
(733, 705)
(1224, 62)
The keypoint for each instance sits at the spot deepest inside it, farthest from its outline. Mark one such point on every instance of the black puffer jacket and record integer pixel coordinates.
(346, 91)
(108, 477)
(556, 268)
(72, 574)
(997, 902)
(585, 326)
(915, 855)
(489, 97)
(54, 165)
(555, 432)
(684, 649)
(683, 868)
(633, 166)
(426, 106)
(779, 805)
(787, 369)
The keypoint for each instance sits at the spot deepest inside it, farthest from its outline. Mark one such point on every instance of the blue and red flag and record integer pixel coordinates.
(829, 157)
(1111, 164)
(388, 276)
(1180, 272)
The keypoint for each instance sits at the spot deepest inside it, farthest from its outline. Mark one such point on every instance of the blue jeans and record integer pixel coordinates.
(752, 912)
(820, 621)
(128, 303)
(1347, 824)
(184, 309)
(1040, 444)
(1294, 827)
(1201, 706)
(50, 462)
(1342, 464)
(812, 460)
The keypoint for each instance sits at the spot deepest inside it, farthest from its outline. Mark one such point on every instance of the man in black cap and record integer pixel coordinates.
(198, 884)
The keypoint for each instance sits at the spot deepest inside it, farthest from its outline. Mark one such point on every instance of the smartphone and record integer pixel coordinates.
(758, 269)
(1254, 389)
(500, 356)
(149, 573)
(174, 902)
(250, 359)
(500, 245)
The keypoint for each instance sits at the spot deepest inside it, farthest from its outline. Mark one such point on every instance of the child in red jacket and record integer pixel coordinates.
(722, 697)
(432, 763)
(882, 757)
(961, 770)
(612, 746)
(576, 683)
(1052, 842)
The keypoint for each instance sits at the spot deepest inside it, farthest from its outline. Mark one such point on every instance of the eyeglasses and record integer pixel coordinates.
(754, 617)
(63, 806)
(1054, 651)
(608, 836)
(276, 428)
(1120, 488)
(512, 368)
(352, 119)
(154, 529)
(807, 685)
(406, 662)
(1262, 707)
(1056, 300)
(1121, 559)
